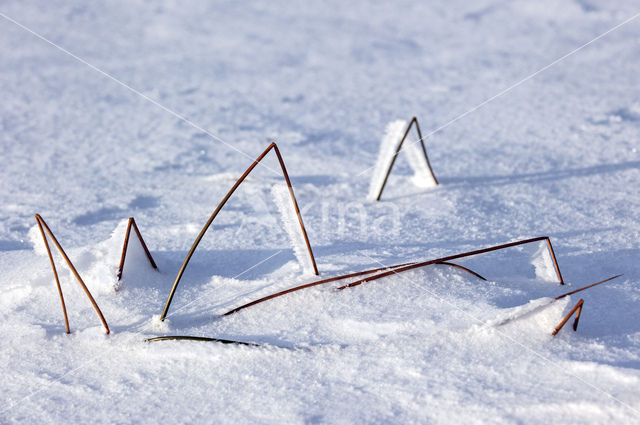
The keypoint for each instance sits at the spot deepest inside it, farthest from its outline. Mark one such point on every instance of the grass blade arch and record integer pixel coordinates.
(238, 182)
(414, 121)
(131, 224)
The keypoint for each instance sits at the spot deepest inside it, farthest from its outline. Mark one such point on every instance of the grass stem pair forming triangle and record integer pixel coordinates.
(576, 309)
(238, 182)
(43, 226)
(132, 225)
(414, 121)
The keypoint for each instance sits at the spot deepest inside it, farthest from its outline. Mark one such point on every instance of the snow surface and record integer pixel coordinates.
(555, 155)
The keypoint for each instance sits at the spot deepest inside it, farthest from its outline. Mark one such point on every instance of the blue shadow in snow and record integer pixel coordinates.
(540, 177)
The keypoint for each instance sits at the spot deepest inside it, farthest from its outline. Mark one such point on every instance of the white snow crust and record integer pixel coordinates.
(422, 176)
(388, 145)
(543, 263)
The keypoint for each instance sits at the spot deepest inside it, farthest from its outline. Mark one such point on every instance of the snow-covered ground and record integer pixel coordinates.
(165, 104)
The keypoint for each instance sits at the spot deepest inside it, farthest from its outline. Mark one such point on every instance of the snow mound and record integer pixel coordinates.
(98, 263)
(157, 325)
(101, 261)
(543, 263)
(422, 176)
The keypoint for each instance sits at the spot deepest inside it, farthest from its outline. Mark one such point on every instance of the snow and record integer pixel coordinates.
(422, 176)
(289, 219)
(524, 311)
(35, 238)
(388, 145)
(543, 263)
(556, 155)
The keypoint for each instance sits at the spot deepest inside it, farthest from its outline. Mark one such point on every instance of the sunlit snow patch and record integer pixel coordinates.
(543, 263)
(158, 325)
(422, 175)
(91, 262)
(35, 237)
(98, 263)
(137, 263)
(539, 314)
(388, 144)
(291, 224)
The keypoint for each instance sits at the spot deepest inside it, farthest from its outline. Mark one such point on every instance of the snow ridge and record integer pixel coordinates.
(291, 224)
(388, 144)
